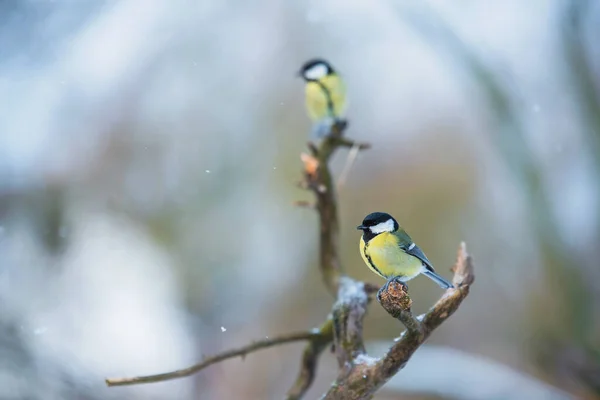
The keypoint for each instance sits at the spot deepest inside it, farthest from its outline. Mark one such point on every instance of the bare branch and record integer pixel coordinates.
(313, 336)
(310, 356)
(304, 204)
(348, 313)
(463, 268)
(317, 177)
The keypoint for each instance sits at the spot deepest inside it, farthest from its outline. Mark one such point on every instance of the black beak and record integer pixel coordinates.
(361, 227)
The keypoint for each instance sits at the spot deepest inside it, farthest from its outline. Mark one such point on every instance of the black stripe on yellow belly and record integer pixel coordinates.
(368, 257)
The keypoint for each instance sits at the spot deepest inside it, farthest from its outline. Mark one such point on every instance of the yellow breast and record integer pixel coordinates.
(317, 100)
(383, 255)
(366, 259)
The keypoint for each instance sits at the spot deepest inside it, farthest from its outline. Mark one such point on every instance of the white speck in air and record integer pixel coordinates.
(223, 329)
(266, 337)
(536, 108)
(207, 171)
(274, 167)
(364, 377)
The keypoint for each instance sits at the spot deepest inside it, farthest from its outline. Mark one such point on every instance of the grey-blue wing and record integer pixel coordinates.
(415, 251)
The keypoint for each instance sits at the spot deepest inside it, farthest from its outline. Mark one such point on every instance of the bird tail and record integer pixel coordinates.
(443, 283)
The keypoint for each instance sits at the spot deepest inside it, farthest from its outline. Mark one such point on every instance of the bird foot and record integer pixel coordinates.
(385, 288)
(394, 298)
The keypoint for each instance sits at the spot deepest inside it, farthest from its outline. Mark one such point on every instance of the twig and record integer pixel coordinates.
(310, 356)
(304, 204)
(349, 143)
(348, 165)
(313, 336)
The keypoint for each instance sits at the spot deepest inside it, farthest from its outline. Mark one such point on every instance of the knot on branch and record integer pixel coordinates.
(394, 298)
(312, 179)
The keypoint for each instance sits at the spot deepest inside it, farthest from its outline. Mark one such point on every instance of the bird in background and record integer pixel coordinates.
(325, 93)
(390, 252)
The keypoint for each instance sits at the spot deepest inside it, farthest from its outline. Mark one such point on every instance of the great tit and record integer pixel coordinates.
(389, 252)
(325, 94)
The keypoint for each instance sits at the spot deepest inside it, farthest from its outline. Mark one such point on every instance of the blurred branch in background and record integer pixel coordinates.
(573, 304)
(581, 73)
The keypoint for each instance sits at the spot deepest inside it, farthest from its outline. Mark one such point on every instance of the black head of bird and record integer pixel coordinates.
(379, 222)
(315, 69)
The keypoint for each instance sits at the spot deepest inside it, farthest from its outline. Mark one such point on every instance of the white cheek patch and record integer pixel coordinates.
(316, 72)
(387, 226)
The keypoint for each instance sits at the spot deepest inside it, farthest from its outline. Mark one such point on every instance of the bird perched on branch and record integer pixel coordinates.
(325, 95)
(389, 252)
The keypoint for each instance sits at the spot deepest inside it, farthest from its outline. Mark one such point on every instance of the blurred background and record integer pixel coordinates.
(149, 154)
